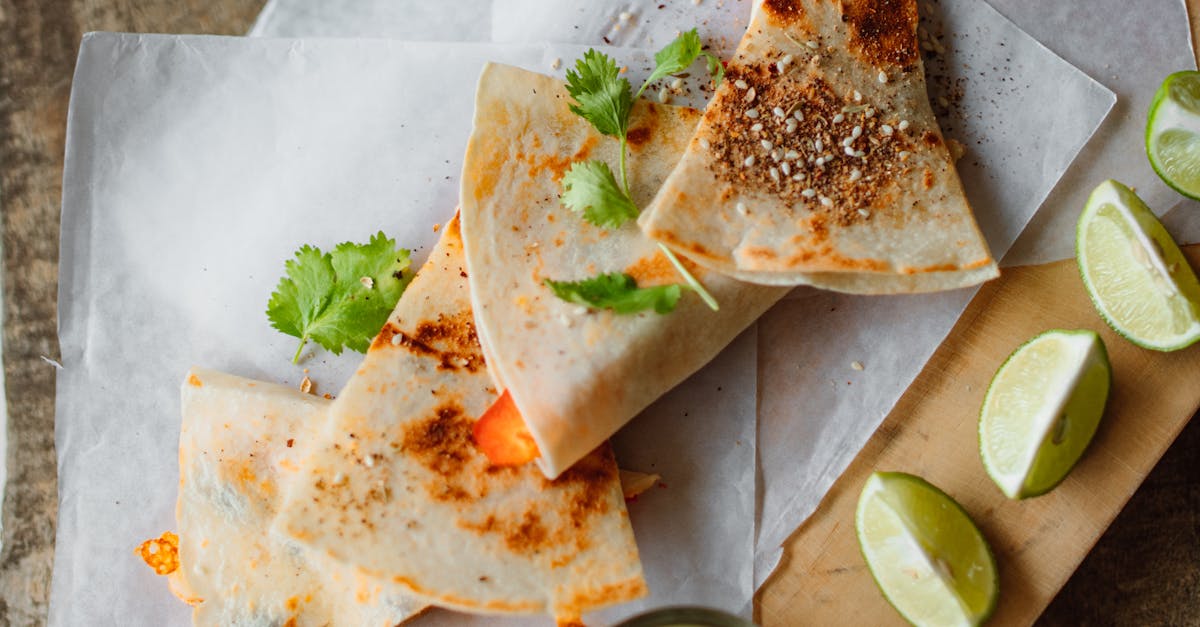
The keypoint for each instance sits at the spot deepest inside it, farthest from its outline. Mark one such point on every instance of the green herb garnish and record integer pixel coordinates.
(619, 292)
(342, 298)
(605, 99)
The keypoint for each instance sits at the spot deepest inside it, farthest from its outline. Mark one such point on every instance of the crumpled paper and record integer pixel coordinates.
(195, 167)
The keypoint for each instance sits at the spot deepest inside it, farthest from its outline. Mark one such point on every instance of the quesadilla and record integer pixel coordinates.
(240, 443)
(819, 161)
(577, 375)
(396, 488)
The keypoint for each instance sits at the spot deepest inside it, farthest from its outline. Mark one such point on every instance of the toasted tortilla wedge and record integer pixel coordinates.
(577, 375)
(239, 444)
(396, 487)
(819, 160)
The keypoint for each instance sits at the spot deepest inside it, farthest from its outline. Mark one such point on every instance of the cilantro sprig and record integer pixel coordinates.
(342, 298)
(619, 292)
(605, 99)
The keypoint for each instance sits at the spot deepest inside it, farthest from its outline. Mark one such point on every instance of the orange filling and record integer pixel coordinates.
(502, 435)
(161, 554)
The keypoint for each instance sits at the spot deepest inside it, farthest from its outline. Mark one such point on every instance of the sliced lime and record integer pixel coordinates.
(1173, 132)
(928, 557)
(1136, 275)
(1042, 409)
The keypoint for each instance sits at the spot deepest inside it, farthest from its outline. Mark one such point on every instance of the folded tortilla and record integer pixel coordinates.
(577, 375)
(240, 443)
(396, 487)
(819, 161)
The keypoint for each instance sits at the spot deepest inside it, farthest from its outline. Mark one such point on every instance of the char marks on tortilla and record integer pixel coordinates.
(396, 488)
(819, 161)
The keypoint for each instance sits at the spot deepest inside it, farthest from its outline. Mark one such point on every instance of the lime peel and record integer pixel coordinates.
(1042, 409)
(1135, 274)
(928, 558)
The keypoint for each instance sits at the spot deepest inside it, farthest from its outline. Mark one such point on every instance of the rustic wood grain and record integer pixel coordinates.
(1145, 570)
(38, 43)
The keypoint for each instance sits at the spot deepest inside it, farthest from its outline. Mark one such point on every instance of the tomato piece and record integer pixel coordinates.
(502, 435)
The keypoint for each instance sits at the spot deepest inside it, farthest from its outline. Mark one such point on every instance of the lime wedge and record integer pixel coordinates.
(1136, 275)
(1041, 411)
(930, 561)
(1173, 132)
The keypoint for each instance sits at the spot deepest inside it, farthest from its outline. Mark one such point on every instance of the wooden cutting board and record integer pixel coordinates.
(932, 433)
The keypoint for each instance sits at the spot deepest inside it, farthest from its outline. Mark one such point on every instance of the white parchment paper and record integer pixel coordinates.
(815, 411)
(1130, 47)
(195, 166)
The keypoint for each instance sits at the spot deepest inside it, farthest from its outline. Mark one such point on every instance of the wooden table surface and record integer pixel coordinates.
(1144, 571)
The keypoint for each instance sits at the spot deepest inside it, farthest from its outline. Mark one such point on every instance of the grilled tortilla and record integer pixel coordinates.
(239, 444)
(819, 161)
(396, 487)
(575, 375)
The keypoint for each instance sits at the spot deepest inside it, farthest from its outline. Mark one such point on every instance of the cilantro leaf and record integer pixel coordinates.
(675, 57)
(617, 291)
(678, 55)
(715, 68)
(590, 187)
(339, 299)
(602, 96)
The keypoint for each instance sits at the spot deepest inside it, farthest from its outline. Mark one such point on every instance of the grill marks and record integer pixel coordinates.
(451, 340)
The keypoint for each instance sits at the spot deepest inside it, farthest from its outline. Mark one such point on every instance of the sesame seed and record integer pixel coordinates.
(757, 127)
(664, 95)
(749, 97)
(774, 174)
(870, 112)
(849, 151)
(798, 115)
(903, 125)
(903, 154)
(778, 111)
(791, 154)
(780, 66)
(798, 177)
(859, 154)
(787, 58)
(740, 84)
(749, 162)
(625, 16)
(776, 155)
(887, 130)
(864, 213)
(849, 141)
(857, 365)
(826, 201)
(791, 128)
(855, 174)
(752, 114)
(857, 96)
(677, 83)
(809, 193)
(397, 339)
(839, 118)
(819, 145)
(812, 44)
(556, 63)
(791, 124)
(741, 208)
(704, 143)
(367, 282)
(856, 132)
(767, 145)
(785, 168)
(883, 76)
(820, 161)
